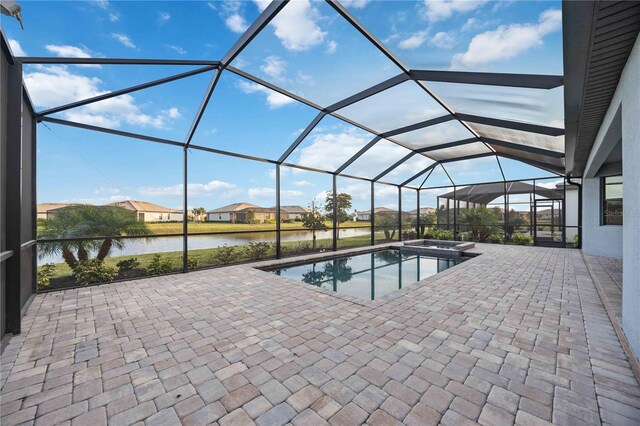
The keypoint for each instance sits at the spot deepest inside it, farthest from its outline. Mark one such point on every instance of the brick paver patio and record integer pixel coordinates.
(516, 335)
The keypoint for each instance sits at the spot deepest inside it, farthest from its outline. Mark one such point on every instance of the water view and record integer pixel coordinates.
(139, 246)
(369, 275)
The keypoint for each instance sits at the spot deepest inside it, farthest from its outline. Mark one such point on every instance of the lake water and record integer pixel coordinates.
(134, 247)
(369, 275)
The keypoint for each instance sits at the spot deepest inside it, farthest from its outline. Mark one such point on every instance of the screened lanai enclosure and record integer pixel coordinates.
(280, 153)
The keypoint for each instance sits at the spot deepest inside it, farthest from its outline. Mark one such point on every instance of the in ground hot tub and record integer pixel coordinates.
(436, 247)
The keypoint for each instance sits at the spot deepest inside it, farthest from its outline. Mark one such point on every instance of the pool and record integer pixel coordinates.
(369, 275)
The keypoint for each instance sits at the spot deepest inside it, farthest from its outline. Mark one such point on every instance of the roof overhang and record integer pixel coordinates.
(598, 37)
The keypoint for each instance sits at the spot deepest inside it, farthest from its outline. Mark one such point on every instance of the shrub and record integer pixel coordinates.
(225, 255)
(160, 265)
(93, 271)
(496, 239)
(576, 241)
(128, 264)
(258, 250)
(299, 248)
(409, 234)
(521, 239)
(440, 234)
(45, 273)
(192, 263)
(465, 236)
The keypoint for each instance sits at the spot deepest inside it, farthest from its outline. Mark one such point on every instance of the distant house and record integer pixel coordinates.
(423, 211)
(245, 213)
(381, 211)
(228, 213)
(46, 210)
(149, 212)
(295, 212)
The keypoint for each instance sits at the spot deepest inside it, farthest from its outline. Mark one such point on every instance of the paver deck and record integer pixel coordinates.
(516, 335)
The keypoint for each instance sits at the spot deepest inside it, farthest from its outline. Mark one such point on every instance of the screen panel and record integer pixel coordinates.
(323, 59)
(400, 106)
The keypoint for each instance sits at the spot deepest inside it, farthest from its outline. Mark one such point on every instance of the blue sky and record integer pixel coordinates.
(309, 50)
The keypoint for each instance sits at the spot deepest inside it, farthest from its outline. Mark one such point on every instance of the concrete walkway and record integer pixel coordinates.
(516, 335)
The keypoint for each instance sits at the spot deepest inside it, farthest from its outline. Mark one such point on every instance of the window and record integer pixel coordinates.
(612, 200)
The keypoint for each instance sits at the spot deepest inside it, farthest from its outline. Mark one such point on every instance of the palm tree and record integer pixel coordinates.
(103, 224)
(199, 214)
(481, 221)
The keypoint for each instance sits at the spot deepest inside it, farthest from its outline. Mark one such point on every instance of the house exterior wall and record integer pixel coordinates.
(571, 213)
(241, 216)
(620, 241)
(219, 217)
(161, 217)
(597, 239)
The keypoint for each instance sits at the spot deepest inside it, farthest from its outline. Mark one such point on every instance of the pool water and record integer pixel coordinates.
(369, 275)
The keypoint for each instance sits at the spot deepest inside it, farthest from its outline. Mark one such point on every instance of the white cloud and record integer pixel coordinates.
(173, 113)
(16, 48)
(508, 41)
(302, 183)
(102, 4)
(96, 200)
(193, 189)
(439, 10)
(104, 190)
(106, 6)
(67, 51)
(271, 193)
(164, 17)
(179, 50)
(261, 193)
(236, 23)
(442, 40)
(54, 85)
(355, 4)
(413, 42)
(124, 39)
(320, 153)
(547, 184)
(274, 66)
(332, 46)
(470, 24)
(274, 99)
(292, 193)
(408, 169)
(297, 25)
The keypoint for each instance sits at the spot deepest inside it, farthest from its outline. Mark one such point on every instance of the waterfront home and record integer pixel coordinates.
(423, 211)
(46, 210)
(295, 212)
(150, 212)
(245, 213)
(382, 211)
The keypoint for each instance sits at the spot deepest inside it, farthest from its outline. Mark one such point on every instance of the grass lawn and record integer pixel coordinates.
(209, 257)
(198, 227)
